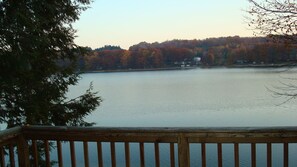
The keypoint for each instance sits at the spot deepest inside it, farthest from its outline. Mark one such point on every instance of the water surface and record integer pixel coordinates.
(199, 97)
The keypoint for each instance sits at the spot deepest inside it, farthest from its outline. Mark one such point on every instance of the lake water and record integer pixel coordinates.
(190, 98)
(195, 98)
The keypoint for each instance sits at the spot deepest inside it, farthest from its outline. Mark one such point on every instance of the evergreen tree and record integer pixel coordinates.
(38, 60)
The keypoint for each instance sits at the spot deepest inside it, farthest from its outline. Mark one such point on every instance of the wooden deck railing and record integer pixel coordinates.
(25, 139)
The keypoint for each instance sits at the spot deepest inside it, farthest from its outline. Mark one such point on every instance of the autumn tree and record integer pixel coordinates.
(38, 63)
(125, 59)
(92, 61)
(157, 58)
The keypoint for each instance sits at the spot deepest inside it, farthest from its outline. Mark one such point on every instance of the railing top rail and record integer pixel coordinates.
(154, 134)
(11, 133)
(276, 129)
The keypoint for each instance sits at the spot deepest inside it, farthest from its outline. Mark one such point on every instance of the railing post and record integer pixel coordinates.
(183, 151)
(23, 151)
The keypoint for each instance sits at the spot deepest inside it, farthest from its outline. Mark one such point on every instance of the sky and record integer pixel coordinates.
(128, 22)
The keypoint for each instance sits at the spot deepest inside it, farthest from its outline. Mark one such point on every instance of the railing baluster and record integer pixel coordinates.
(11, 156)
(141, 149)
(220, 157)
(2, 156)
(253, 152)
(113, 154)
(203, 154)
(183, 151)
(35, 153)
(47, 153)
(127, 154)
(72, 154)
(268, 154)
(59, 151)
(23, 151)
(236, 154)
(86, 154)
(286, 155)
(172, 156)
(99, 153)
(157, 156)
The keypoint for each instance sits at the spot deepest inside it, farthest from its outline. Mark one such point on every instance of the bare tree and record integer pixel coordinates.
(274, 18)
(277, 19)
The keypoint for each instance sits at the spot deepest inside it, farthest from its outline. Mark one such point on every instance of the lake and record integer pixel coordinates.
(217, 97)
(195, 98)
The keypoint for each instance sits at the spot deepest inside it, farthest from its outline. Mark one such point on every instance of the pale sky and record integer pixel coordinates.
(128, 22)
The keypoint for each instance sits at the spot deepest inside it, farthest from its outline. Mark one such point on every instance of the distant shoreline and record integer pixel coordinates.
(194, 67)
(262, 66)
(144, 69)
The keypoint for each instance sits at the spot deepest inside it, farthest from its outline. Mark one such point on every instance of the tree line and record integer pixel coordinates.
(223, 51)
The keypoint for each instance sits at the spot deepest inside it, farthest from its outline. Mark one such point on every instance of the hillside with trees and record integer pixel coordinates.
(224, 51)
